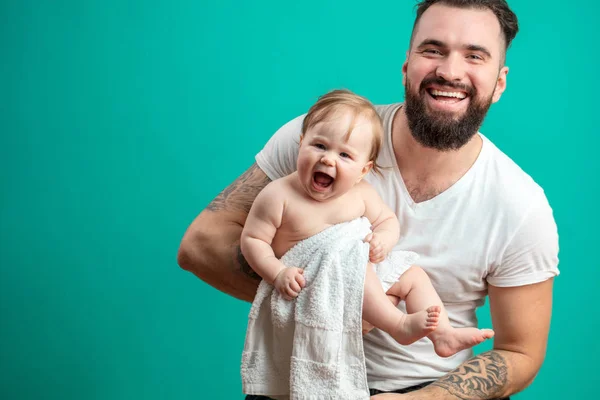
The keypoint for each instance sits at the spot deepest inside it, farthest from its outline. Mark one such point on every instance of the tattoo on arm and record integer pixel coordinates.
(240, 195)
(482, 377)
(244, 266)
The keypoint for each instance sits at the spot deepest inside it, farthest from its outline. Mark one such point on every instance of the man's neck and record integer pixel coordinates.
(428, 172)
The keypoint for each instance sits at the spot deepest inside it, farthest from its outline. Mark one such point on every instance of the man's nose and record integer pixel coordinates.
(451, 68)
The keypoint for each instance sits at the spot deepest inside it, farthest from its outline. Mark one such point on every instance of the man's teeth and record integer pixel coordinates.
(458, 95)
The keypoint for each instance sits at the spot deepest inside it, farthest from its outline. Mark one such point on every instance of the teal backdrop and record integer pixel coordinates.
(121, 120)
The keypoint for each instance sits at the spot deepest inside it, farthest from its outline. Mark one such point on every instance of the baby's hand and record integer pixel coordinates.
(377, 249)
(289, 282)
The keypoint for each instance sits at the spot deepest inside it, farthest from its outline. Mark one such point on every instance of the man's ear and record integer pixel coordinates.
(365, 170)
(404, 69)
(500, 84)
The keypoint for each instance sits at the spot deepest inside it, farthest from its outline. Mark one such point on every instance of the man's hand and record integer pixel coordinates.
(378, 250)
(289, 282)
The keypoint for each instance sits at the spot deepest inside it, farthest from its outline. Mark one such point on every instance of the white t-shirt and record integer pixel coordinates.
(494, 225)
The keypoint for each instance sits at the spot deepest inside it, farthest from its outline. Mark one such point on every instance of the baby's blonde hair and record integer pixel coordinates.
(330, 103)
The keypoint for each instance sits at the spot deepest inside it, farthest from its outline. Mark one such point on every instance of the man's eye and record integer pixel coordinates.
(475, 57)
(432, 51)
(345, 155)
(319, 146)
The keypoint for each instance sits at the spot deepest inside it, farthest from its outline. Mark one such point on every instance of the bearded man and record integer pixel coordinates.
(481, 226)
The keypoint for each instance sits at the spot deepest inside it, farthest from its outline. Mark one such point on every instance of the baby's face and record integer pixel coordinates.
(328, 164)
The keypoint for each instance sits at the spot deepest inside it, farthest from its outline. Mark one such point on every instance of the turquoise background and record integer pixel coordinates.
(121, 120)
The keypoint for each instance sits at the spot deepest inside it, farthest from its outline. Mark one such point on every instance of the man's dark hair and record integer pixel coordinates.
(506, 18)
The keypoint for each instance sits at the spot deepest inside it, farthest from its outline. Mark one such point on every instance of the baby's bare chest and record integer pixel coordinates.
(303, 219)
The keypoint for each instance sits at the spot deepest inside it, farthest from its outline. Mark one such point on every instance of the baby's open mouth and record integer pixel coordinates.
(322, 180)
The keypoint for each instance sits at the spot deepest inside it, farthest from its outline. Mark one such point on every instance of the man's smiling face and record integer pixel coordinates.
(452, 74)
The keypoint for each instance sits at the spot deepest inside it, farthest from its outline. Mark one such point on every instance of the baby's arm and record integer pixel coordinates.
(384, 224)
(259, 230)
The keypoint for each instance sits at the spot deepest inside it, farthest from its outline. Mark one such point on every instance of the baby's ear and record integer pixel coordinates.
(368, 166)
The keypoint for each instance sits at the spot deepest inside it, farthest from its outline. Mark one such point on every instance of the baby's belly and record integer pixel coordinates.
(284, 241)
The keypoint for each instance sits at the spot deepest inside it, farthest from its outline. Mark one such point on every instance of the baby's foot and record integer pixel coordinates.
(451, 341)
(415, 326)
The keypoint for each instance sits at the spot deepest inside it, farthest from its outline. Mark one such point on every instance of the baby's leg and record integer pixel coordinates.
(415, 288)
(380, 312)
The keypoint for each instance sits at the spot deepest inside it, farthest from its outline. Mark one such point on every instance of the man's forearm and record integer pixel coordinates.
(220, 265)
(211, 246)
(491, 375)
(242, 280)
(482, 377)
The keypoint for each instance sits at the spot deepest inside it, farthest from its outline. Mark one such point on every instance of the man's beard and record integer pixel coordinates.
(438, 129)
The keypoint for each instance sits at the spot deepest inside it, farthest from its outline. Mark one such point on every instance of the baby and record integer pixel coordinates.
(340, 140)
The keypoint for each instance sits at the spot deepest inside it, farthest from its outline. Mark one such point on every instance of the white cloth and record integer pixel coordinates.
(312, 347)
(494, 226)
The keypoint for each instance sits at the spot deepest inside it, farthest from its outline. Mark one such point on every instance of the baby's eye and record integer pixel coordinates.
(345, 155)
(319, 146)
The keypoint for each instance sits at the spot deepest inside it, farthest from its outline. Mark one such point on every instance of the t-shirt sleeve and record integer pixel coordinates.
(532, 254)
(278, 158)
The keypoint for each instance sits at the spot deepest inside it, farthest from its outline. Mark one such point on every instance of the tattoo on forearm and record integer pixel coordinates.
(240, 195)
(482, 377)
(244, 266)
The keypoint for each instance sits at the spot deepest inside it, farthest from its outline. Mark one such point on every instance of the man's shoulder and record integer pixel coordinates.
(508, 180)
(386, 110)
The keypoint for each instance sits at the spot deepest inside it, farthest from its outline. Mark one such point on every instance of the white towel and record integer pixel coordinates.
(311, 347)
